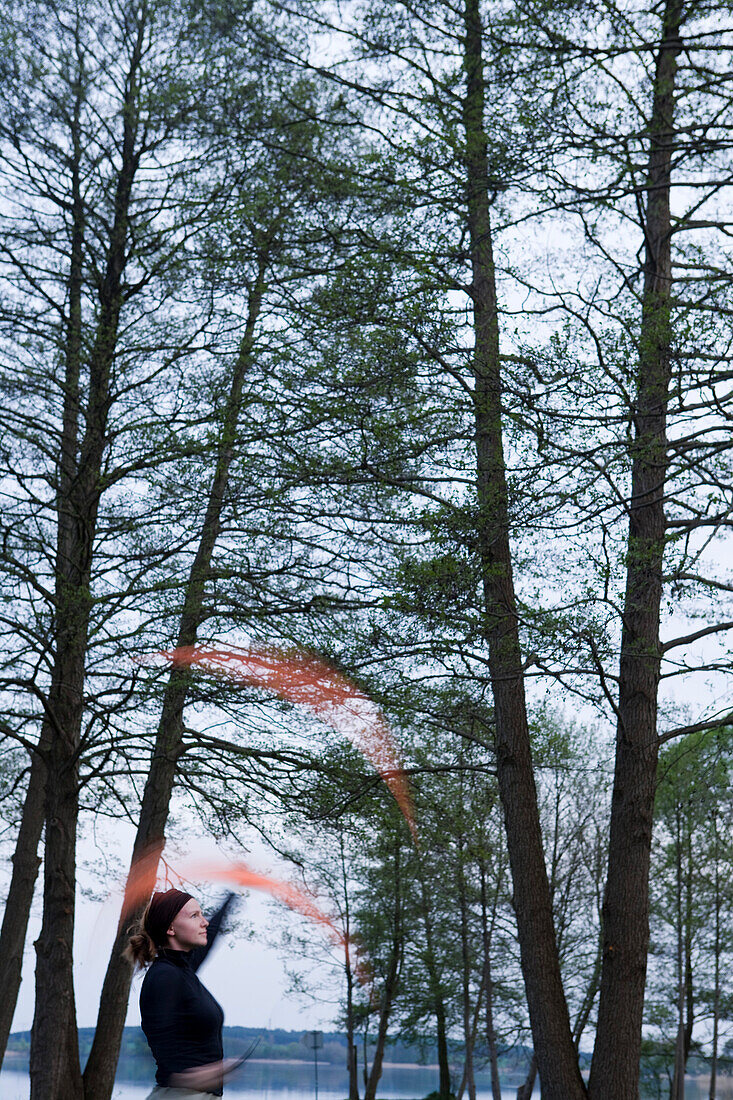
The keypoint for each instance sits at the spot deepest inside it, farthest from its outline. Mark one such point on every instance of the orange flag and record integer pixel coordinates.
(308, 681)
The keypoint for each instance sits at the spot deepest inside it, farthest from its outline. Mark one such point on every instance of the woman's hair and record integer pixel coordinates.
(140, 948)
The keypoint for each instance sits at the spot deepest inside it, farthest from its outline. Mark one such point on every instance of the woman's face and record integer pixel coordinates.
(188, 928)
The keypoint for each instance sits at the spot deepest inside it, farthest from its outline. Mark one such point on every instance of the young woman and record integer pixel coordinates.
(181, 1020)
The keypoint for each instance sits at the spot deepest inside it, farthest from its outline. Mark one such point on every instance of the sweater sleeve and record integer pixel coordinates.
(160, 1009)
(199, 953)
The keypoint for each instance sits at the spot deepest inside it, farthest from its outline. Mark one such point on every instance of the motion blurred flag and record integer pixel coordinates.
(308, 681)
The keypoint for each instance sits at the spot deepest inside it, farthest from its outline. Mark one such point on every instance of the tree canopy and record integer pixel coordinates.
(396, 333)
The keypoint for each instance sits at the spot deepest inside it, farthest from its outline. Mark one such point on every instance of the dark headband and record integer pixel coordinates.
(164, 907)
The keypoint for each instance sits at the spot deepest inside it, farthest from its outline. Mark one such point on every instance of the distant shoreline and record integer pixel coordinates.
(328, 1062)
(22, 1057)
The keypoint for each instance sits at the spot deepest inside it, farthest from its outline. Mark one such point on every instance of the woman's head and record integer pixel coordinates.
(163, 909)
(188, 928)
(172, 919)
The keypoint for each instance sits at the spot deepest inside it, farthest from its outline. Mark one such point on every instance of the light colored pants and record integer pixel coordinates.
(161, 1093)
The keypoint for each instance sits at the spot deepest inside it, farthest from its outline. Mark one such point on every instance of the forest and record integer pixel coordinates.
(395, 332)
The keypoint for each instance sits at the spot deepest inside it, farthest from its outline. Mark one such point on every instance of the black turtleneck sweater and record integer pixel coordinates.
(181, 1020)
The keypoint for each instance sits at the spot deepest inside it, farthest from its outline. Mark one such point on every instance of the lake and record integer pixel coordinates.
(288, 1081)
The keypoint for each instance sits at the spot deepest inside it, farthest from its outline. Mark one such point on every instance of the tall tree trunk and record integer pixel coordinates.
(26, 862)
(54, 1063)
(690, 874)
(54, 1060)
(472, 1033)
(586, 1004)
(55, 1073)
(352, 1068)
(25, 858)
(712, 1091)
(391, 983)
(101, 1066)
(486, 932)
(385, 1011)
(558, 1066)
(469, 1079)
(615, 1067)
(526, 1089)
(351, 1045)
(677, 1086)
(436, 989)
(441, 1029)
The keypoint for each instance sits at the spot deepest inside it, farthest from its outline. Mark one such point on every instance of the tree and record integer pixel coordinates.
(652, 149)
(269, 225)
(96, 274)
(448, 995)
(438, 445)
(690, 867)
(70, 191)
(357, 855)
(451, 86)
(622, 466)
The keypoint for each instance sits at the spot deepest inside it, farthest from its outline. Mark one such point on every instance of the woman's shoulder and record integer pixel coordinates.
(162, 976)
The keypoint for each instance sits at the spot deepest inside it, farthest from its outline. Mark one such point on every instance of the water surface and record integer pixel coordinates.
(287, 1081)
(295, 1081)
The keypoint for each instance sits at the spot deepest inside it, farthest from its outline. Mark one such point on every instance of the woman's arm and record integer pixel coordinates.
(205, 1077)
(199, 953)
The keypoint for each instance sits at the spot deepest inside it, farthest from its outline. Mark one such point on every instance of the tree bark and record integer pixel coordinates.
(351, 1045)
(689, 1018)
(441, 1028)
(55, 1072)
(558, 1066)
(391, 983)
(685, 872)
(590, 994)
(385, 1012)
(101, 1066)
(486, 931)
(469, 1079)
(712, 1091)
(436, 990)
(472, 1033)
(526, 1089)
(25, 862)
(353, 1071)
(615, 1067)
(54, 1060)
(677, 1088)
